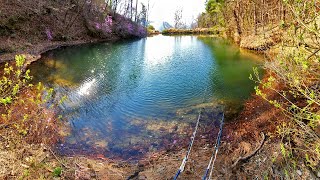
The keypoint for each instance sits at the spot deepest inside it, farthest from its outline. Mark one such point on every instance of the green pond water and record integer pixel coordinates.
(130, 98)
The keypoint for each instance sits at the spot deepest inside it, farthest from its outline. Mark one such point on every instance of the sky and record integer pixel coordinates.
(163, 10)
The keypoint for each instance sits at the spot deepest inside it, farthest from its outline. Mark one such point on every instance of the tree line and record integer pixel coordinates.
(133, 9)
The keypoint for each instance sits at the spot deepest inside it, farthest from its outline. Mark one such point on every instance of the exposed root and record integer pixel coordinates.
(245, 158)
(136, 174)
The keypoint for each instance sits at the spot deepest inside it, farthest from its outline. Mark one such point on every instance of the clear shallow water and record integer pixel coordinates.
(129, 98)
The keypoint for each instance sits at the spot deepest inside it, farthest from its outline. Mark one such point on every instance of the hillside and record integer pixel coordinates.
(36, 26)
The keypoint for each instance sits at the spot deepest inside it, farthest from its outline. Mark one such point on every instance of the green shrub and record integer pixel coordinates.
(297, 69)
(57, 172)
(150, 27)
(25, 107)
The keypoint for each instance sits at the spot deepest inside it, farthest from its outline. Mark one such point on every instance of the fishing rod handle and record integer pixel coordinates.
(177, 175)
(205, 175)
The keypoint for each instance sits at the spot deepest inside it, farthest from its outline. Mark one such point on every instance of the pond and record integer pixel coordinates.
(130, 98)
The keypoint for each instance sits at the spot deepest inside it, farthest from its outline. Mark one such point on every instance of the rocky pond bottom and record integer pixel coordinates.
(131, 98)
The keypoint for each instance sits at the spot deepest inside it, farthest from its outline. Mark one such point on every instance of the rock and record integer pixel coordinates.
(318, 174)
(142, 177)
(299, 172)
(25, 166)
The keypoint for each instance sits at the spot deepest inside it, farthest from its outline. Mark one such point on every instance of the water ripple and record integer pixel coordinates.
(119, 95)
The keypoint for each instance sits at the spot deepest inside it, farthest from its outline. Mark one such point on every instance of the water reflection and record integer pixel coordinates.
(86, 87)
(230, 79)
(157, 54)
(129, 98)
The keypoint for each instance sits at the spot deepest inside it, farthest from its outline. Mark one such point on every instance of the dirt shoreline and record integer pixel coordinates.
(34, 52)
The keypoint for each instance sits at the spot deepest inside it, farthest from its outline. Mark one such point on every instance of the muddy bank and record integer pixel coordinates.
(261, 42)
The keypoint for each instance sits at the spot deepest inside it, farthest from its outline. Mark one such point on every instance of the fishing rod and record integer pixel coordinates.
(214, 153)
(185, 159)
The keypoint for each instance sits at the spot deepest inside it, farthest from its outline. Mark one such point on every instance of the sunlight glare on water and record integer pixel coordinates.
(86, 87)
(157, 53)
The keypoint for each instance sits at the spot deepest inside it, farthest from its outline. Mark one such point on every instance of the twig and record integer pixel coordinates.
(314, 53)
(57, 158)
(245, 158)
(134, 175)
(95, 173)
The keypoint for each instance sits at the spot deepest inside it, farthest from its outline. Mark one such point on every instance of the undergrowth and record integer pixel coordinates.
(297, 68)
(28, 109)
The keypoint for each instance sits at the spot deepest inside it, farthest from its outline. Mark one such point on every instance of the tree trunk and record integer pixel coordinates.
(236, 17)
(131, 1)
(255, 18)
(148, 9)
(262, 15)
(283, 13)
(115, 7)
(136, 17)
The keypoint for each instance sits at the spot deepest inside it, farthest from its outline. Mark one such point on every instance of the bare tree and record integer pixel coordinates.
(131, 12)
(114, 5)
(143, 15)
(136, 15)
(178, 18)
(148, 11)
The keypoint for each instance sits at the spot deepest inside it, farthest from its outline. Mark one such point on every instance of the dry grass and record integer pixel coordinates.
(21, 160)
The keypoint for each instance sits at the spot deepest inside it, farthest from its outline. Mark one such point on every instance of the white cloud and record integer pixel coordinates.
(163, 10)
